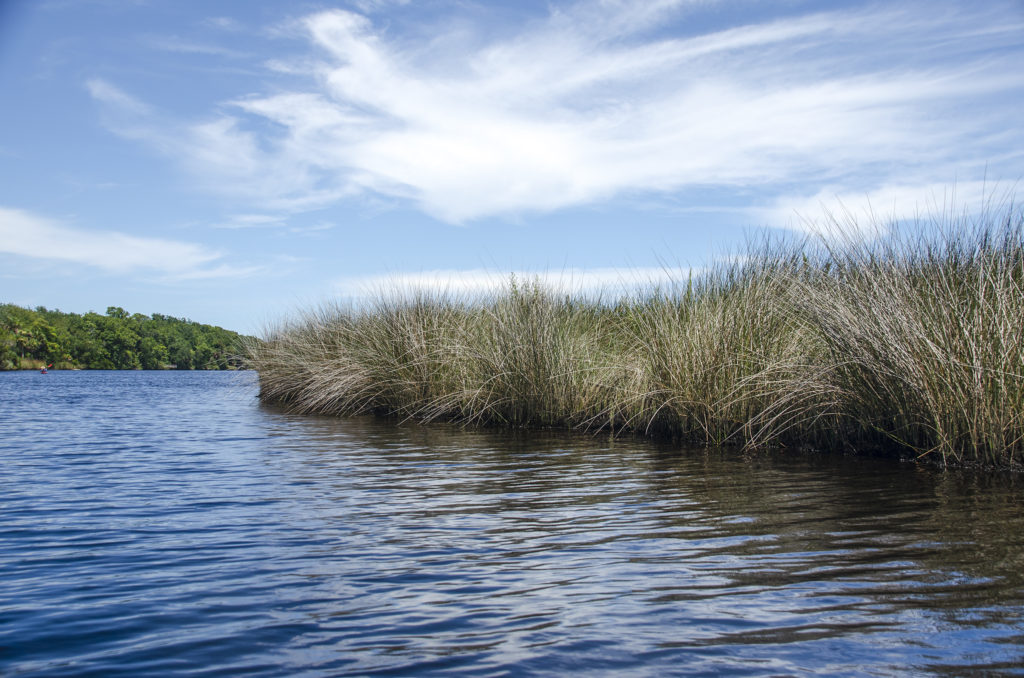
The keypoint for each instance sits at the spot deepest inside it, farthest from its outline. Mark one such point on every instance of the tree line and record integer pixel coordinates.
(32, 338)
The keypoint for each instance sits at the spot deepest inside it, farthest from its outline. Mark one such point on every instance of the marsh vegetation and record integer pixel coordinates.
(906, 338)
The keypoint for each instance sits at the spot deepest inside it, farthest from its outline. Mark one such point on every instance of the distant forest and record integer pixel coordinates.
(30, 339)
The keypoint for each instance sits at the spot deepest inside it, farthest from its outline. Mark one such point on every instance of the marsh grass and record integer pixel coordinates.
(925, 332)
(907, 339)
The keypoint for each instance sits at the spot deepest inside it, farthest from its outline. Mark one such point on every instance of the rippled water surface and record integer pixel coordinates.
(163, 523)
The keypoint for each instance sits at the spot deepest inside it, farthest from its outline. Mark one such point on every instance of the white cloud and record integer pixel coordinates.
(371, 6)
(29, 235)
(606, 97)
(238, 221)
(473, 282)
(223, 23)
(247, 221)
(868, 211)
(181, 46)
(115, 98)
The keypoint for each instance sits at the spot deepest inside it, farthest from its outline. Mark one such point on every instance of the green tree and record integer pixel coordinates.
(204, 357)
(86, 348)
(46, 346)
(121, 344)
(8, 354)
(180, 354)
(152, 354)
(115, 340)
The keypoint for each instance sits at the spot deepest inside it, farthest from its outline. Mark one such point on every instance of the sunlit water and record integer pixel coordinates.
(164, 523)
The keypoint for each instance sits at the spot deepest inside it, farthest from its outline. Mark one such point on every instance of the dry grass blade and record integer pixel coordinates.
(907, 339)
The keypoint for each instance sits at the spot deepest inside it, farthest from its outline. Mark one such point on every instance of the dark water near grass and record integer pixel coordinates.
(166, 524)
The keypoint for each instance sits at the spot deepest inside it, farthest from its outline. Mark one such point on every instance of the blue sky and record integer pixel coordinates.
(231, 162)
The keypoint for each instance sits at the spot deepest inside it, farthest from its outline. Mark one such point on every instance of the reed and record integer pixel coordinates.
(925, 331)
(907, 339)
(726, 360)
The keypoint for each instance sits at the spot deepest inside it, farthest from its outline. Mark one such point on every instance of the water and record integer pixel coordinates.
(166, 524)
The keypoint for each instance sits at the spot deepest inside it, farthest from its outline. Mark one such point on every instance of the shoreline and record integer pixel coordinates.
(902, 343)
(892, 455)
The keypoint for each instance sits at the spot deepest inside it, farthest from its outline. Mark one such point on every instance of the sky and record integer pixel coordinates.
(232, 162)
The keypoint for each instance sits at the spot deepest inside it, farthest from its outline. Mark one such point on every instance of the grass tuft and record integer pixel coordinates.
(896, 337)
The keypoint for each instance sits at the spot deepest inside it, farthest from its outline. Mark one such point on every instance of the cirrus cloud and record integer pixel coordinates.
(478, 281)
(26, 234)
(601, 99)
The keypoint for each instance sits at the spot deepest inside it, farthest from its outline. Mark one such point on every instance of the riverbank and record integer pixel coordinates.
(901, 339)
(33, 338)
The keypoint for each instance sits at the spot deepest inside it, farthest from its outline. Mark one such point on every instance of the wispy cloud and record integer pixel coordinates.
(473, 282)
(221, 155)
(182, 46)
(371, 6)
(607, 98)
(272, 221)
(883, 206)
(222, 23)
(238, 221)
(26, 234)
(116, 99)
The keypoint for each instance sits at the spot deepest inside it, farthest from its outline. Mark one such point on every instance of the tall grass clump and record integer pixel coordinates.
(525, 356)
(902, 338)
(924, 327)
(390, 357)
(534, 357)
(726, 360)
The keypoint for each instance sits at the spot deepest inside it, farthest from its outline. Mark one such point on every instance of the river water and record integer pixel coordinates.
(164, 523)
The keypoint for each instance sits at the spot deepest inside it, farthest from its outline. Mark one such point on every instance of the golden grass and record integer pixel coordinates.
(907, 339)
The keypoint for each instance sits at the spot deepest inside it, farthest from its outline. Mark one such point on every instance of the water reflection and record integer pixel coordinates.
(703, 549)
(183, 529)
